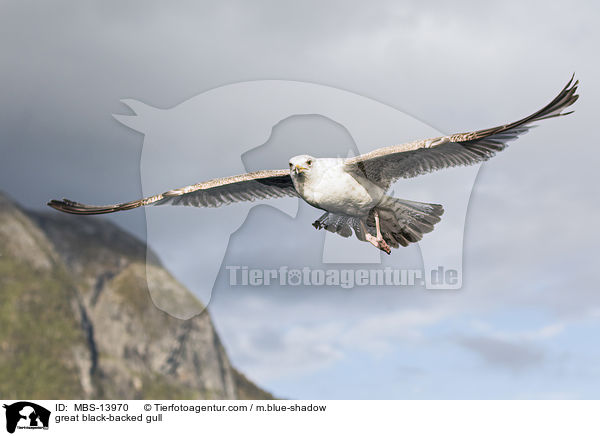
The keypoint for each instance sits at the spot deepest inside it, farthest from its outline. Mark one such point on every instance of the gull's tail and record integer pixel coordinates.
(404, 222)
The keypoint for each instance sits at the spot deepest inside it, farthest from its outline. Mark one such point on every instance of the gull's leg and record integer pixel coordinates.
(382, 245)
(378, 240)
(369, 237)
(376, 215)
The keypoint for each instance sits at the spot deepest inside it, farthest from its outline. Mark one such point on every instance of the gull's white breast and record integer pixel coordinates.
(326, 185)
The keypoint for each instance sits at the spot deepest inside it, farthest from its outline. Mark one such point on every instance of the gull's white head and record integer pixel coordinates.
(301, 164)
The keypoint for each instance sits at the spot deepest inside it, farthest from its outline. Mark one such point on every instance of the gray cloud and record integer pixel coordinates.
(504, 354)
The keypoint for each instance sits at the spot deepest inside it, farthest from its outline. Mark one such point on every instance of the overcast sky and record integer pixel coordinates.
(526, 322)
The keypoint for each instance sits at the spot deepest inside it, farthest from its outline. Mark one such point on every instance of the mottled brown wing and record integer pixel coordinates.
(213, 193)
(386, 165)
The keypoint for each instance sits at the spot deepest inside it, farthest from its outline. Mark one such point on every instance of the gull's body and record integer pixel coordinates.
(352, 191)
(330, 187)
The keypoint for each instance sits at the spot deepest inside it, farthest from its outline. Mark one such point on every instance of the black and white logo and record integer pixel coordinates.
(26, 415)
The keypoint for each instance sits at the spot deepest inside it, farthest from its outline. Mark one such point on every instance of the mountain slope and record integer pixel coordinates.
(42, 345)
(77, 320)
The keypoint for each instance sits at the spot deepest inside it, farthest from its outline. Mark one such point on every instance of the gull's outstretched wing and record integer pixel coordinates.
(213, 193)
(386, 165)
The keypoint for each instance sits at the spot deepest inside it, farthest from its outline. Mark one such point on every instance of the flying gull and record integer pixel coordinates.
(352, 191)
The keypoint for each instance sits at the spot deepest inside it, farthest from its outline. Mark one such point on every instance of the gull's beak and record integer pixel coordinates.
(299, 168)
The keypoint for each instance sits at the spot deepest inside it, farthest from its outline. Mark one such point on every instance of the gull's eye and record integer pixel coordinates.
(290, 164)
(309, 162)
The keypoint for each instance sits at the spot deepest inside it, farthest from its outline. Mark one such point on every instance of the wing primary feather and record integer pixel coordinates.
(386, 165)
(213, 193)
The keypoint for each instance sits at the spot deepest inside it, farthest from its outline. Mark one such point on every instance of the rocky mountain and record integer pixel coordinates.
(77, 320)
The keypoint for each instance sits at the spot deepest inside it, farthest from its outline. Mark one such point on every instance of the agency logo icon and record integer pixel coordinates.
(26, 415)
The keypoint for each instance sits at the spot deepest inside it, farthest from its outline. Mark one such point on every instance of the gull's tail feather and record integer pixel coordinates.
(403, 221)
